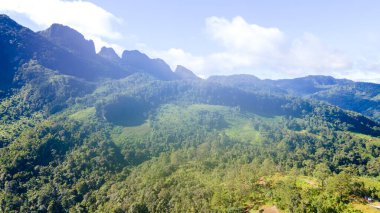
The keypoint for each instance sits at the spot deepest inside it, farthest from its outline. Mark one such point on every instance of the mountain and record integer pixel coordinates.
(298, 86)
(69, 39)
(139, 62)
(309, 84)
(132, 61)
(109, 54)
(186, 74)
(87, 132)
(20, 45)
(360, 97)
(63, 49)
(248, 83)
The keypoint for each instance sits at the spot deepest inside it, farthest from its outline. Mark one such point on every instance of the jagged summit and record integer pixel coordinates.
(65, 50)
(134, 56)
(140, 62)
(184, 73)
(109, 53)
(59, 48)
(69, 39)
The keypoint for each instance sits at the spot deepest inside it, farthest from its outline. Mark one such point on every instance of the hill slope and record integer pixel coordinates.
(360, 97)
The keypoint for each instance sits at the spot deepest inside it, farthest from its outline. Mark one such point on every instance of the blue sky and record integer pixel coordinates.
(269, 39)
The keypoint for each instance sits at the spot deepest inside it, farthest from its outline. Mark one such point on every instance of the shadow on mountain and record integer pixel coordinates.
(127, 111)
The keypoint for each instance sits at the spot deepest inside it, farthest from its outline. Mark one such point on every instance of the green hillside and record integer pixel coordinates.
(142, 138)
(140, 144)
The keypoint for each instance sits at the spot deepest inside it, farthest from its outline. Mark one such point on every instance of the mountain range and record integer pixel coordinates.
(82, 131)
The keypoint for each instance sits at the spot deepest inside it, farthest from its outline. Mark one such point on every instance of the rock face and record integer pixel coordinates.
(109, 54)
(136, 61)
(69, 39)
(185, 74)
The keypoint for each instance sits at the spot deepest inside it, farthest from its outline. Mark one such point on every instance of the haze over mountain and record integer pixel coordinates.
(82, 131)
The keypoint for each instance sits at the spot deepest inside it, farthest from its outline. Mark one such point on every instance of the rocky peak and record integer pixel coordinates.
(69, 39)
(139, 62)
(134, 56)
(109, 54)
(184, 73)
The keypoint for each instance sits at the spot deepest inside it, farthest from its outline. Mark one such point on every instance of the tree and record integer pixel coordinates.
(340, 185)
(322, 172)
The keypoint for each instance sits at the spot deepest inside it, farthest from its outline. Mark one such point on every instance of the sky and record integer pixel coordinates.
(267, 38)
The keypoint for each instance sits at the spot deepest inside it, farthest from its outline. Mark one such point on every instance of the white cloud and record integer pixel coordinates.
(239, 36)
(261, 51)
(309, 53)
(176, 56)
(365, 68)
(91, 20)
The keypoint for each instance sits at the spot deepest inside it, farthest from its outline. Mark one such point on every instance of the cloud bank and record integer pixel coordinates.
(262, 51)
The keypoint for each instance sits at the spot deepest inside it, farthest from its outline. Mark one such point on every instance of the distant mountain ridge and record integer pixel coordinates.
(64, 49)
(360, 97)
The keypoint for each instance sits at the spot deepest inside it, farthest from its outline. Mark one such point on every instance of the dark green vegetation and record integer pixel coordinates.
(139, 138)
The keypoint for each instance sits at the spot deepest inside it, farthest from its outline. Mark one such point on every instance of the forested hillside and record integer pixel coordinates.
(356, 96)
(130, 135)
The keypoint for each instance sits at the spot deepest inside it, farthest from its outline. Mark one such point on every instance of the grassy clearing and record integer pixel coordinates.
(120, 134)
(84, 114)
(374, 140)
(304, 182)
(239, 125)
(244, 132)
(138, 131)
